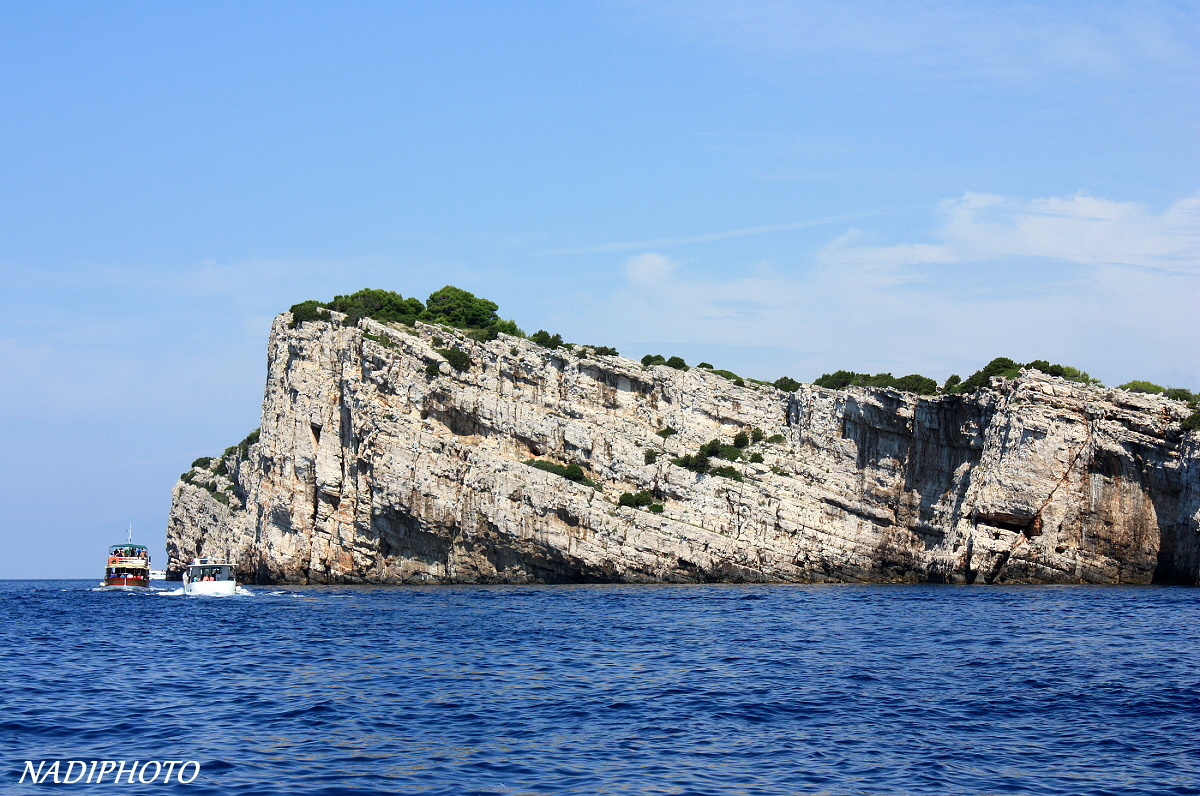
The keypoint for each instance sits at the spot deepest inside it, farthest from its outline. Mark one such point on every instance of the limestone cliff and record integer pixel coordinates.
(378, 462)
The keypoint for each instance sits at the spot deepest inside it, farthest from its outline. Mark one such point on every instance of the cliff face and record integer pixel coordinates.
(380, 463)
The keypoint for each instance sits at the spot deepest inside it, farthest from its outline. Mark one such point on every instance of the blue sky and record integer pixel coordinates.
(774, 187)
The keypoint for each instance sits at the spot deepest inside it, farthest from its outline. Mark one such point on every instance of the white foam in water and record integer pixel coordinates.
(240, 592)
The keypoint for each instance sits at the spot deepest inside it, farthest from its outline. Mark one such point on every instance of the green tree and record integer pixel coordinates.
(677, 363)
(741, 439)
(547, 340)
(457, 307)
(306, 312)
(787, 384)
(916, 383)
(382, 305)
(839, 380)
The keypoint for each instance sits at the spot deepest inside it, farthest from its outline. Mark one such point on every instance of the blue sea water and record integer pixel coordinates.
(711, 689)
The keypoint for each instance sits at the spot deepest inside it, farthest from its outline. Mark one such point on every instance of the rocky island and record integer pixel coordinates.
(414, 452)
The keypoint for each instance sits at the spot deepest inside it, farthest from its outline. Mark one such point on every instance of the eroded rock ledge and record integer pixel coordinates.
(375, 467)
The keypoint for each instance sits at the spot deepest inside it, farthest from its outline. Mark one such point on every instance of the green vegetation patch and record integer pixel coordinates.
(727, 472)
(459, 360)
(546, 340)
(650, 360)
(636, 499)
(571, 472)
(914, 383)
(1008, 369)
(243, 448)
(450, 306)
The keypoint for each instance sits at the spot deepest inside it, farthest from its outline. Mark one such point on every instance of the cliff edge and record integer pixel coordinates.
(378, 461)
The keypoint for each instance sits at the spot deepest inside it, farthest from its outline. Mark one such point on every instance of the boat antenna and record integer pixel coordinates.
(129, 534)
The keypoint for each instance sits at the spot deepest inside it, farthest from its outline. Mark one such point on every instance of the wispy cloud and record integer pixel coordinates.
(1086, 280)
(708, 237)
(943, 40)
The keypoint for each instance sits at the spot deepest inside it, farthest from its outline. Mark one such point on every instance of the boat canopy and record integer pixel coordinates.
(127, 550)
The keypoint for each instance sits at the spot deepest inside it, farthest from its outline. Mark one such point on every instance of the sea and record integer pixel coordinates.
(604, 689)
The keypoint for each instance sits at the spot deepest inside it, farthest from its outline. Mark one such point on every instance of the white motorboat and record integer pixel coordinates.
(209, 576)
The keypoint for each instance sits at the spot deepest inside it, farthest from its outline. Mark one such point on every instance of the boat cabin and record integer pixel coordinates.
(202, 570)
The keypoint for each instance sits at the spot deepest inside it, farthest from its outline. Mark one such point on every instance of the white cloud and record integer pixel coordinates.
(982, 228)
(649, 269)
(1106, 285)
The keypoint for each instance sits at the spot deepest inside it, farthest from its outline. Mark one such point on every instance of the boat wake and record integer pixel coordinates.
(239, 591)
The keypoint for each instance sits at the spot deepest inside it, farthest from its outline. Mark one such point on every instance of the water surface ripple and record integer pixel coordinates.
(716, 689)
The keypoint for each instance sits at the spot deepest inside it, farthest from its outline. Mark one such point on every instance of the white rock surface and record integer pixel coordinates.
(371, 470)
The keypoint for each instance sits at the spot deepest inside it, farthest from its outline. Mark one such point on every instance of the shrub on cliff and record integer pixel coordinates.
(1192, 422)
(914, 382)
(696, 462)
(1063, 371)
(1180, 394)
(642, 498)
(459, 360)
(650, 455)
(381, 305)
(571, 472)
(651, 360)
(1000, 366)
(307, 311)
(457, 307)
(677, 363)
(243, 448)
(786, 384)
(546, 340)
(450, 306)
(1142, 386)
(1008, 369)
(727, 472)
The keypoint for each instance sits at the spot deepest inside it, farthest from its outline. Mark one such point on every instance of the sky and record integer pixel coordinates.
(778, 188)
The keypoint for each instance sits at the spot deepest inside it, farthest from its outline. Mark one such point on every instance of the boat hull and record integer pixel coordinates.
(209, 588)
(127, 582)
